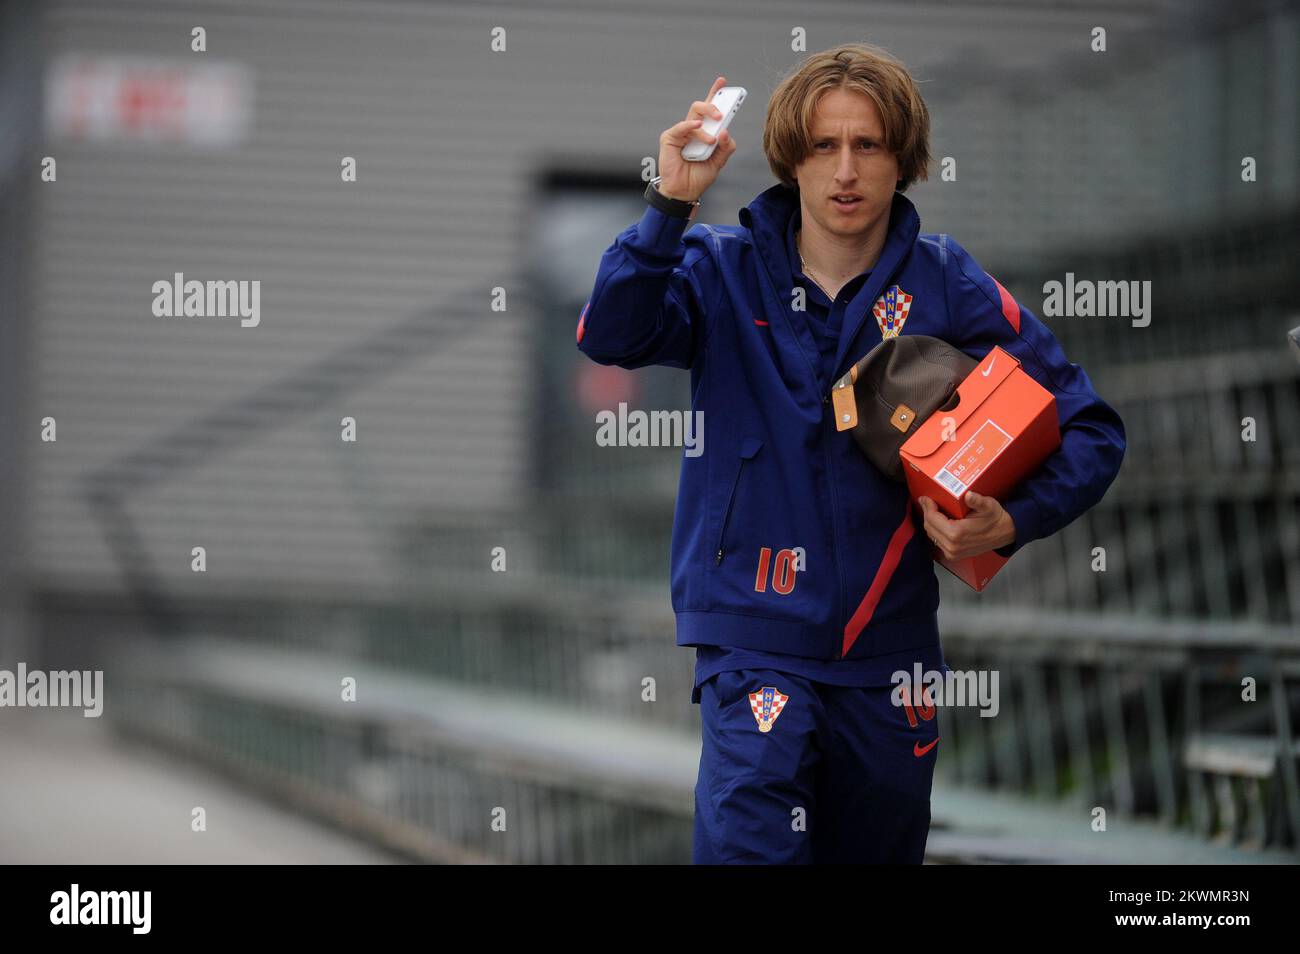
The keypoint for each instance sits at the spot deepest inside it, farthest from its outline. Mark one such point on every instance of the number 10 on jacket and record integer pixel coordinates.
(788, 563)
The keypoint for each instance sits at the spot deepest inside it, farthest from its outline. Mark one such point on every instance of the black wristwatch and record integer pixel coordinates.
(678, 207)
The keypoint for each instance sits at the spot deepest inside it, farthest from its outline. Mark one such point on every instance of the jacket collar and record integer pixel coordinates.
(767, 218)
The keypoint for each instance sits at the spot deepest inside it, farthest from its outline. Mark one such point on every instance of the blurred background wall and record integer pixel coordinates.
(434, 300)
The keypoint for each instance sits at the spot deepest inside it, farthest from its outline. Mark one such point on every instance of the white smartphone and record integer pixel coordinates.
(727, 100)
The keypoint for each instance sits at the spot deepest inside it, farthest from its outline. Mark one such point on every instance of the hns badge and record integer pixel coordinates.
(767, 704)
(891, 311)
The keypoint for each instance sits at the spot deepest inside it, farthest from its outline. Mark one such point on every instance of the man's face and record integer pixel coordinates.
(848, 156)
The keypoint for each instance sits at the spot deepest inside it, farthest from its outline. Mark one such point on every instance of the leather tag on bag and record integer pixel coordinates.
(903, 417)
(846, 408)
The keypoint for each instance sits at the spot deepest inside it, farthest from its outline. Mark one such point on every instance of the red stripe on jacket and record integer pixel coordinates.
(582, 322)
(893, 553)
(1010, 310)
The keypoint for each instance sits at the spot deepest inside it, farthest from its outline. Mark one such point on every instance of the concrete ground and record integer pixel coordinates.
(72, 793)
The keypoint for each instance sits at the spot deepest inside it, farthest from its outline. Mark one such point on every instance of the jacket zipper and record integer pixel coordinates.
(835, 532)
(726, 517)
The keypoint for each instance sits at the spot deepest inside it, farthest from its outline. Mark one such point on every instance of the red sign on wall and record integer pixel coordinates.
(104, 98)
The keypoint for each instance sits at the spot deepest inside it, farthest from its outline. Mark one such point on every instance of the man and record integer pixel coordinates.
(796, 571)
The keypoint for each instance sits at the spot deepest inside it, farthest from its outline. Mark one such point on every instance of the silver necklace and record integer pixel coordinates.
(804, 265)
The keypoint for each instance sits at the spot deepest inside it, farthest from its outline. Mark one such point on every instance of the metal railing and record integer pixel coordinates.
(1144, 721)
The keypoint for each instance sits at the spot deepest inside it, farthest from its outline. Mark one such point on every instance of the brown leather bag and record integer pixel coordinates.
(897, 385)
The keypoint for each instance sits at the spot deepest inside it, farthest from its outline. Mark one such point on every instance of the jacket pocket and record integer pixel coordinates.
(748, 449)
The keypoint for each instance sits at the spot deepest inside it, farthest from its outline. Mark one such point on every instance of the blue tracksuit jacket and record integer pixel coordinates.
(786, 540)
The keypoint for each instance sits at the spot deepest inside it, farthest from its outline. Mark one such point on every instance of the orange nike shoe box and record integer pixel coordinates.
(1002, 428)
